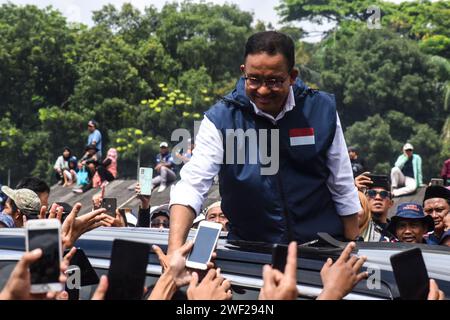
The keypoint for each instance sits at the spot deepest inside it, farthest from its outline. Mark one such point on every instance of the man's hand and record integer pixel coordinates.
(435, 293)
(55, 212)
(101, 289)
(18, 286)
(176, 263)
(73, 227)
(117, 222)
(340, 278)
(145, 200)
(212, 287)
(279, 286)
(363, 181)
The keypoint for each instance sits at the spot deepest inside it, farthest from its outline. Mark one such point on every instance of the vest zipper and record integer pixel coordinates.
(283, 199)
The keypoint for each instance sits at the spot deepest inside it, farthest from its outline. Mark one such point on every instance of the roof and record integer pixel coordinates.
(123, 190)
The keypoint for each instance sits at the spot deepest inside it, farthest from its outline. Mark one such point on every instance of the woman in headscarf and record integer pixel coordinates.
(107, 170)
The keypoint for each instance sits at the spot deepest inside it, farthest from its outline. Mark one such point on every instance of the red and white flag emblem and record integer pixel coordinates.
(302, 137)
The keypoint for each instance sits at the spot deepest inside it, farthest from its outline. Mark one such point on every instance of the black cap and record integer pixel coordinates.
(91, 147)
(437, 192)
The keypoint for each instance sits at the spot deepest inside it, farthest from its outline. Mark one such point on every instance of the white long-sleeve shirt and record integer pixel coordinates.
(198, 174)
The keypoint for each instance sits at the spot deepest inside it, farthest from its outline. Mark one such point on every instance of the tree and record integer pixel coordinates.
(376, 71)
(34, 66)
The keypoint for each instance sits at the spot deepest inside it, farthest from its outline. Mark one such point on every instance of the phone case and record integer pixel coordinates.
(145, 181)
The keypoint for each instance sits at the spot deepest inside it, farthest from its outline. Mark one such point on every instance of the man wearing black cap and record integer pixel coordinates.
(410, 224)
(436, 204)
(358, 163)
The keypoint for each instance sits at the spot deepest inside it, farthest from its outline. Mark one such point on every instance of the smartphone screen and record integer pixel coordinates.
(204, 245)
(110, 204)
(279, 256)
(145, 180)
(126, 276)
(47, 268)
(411, 274)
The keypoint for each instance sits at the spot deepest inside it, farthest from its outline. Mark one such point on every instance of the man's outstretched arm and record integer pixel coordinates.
(181, 218)
(186, 198)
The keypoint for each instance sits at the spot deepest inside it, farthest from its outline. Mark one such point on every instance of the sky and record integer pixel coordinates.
(80, 10)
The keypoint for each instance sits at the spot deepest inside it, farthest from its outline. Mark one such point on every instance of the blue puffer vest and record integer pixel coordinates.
(295, 203)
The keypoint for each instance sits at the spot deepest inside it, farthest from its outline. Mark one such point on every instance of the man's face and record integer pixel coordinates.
(438, 209)
(379, 206)
(66, 153)
(91, 127)
(216, 215)
(409, 153)
(410, 230)
(8, 208)
(352, 154)
(43, 196)
(262, 66)
(447, 222)
(164, 150)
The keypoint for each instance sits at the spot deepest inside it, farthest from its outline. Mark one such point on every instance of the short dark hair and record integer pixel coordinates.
(34, 184)
(272, 43)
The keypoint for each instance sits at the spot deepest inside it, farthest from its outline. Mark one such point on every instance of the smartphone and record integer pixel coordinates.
(379, 179)
(110, 204)
(205, 242)
(279, 256)
(88, 276)
(411, 275)
(127, 271)
(145, 181)
(45, 235)
(437, 182)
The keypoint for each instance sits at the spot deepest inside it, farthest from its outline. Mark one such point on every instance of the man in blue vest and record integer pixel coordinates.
(311, 188)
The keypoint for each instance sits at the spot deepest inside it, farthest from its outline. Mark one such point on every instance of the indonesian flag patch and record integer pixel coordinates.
(302, 137)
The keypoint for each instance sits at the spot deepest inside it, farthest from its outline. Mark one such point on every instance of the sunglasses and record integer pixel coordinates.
(158, 223)
(383, 194)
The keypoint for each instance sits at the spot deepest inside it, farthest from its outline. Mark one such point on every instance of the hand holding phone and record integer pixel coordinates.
(110, 204)
(205, 242)
(45, 235)
(411, 274)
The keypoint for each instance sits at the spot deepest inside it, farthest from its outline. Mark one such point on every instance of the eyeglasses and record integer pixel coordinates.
(158, 223)
(383, 194)
(256, 83)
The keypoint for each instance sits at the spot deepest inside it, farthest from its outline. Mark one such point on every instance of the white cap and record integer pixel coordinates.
(163, 145)
(408, 146)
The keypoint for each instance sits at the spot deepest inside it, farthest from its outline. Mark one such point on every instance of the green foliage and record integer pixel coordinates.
(377, 71)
